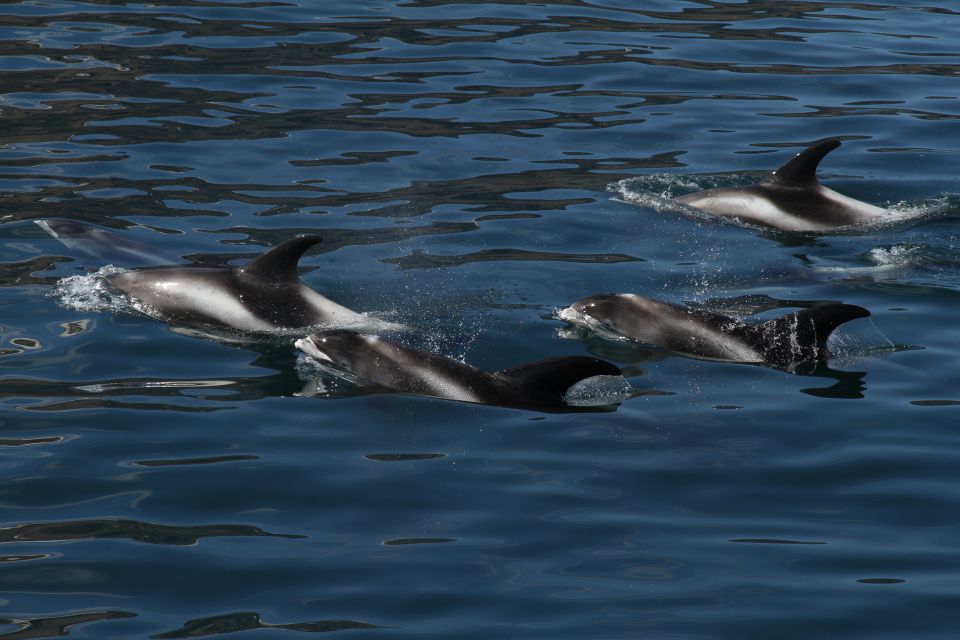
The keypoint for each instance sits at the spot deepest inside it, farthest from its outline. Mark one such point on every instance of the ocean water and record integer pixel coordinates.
(473, 167)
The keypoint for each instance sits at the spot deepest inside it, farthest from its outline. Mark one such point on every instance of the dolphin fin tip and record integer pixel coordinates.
(801, 170)
(280, 261)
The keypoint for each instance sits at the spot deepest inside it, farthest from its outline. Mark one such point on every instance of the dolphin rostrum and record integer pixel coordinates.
(791, 199)
(388, 366)
(784, 341)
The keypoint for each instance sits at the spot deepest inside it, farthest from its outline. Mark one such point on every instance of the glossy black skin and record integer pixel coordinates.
(791, 199)
(266, 294)
(538, 386)
(785, 341)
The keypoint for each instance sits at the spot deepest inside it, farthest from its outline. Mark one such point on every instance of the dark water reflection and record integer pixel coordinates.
(140, 531)
(248, 621)
(463, 162)
(58, 626)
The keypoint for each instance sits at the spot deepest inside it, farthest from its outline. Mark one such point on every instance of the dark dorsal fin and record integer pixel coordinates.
(801, 170)
(280, 262)
(801, 336)
(550, 379)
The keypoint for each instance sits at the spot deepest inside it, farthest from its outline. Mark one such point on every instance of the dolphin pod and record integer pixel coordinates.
(266, 295)
(791, 199)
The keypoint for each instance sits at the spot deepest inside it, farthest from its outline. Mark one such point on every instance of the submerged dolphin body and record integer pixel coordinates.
(791, 199)
(790, 339)
(101, 243)
(264, 295)
(538, 385)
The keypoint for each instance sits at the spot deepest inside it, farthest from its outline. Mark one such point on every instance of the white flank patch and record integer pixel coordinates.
(869, 212)
(439, 385)
(747, 207)
(332, 313)
(211, 301)
(444, 387)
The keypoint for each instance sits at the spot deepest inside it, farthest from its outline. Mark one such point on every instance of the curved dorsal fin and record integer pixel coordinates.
(801, 336)
(554, 377)
(280, 262)
(801, 170)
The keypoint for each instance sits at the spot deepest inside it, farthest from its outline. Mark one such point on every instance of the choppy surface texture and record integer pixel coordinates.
(473, 167)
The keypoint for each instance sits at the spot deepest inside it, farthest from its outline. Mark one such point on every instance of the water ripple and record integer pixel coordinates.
(246, 621)
(57, 626)
(472, 166)
(130, 529)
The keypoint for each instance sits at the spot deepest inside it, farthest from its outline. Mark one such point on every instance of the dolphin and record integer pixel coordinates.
(782, 342)
(791, 199)
(100, 243)
(388, 366)
(264, 295)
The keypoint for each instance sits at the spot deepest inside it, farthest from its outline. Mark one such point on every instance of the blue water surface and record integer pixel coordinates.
(473, 167)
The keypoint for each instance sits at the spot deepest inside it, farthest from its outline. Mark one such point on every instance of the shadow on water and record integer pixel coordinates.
(848, 385)
(420, 260)
(129, 529)
(248, 621)
(185, 394)
(57, 626)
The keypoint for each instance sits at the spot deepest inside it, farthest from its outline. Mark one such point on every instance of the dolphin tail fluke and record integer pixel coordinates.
(280, 262)
(801, 170)
(553, 378)
(801, 336)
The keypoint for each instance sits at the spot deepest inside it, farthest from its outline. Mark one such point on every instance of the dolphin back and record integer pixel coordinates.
(102, 244)
(800, 336)
(547, 381)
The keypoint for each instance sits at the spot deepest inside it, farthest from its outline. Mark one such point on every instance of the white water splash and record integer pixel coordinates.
(928, 208)
(89, 292)
(108, 387)
(321, 378)
(671, 185)
(923, 261)
(657, 191)
(880, 260)
(599, 391)
(859, 339)
(580, 319)
(895, 256)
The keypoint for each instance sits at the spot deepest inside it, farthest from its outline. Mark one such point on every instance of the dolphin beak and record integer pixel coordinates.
(583, 311)
(310, 348)
(46, 226)
(569, 314)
